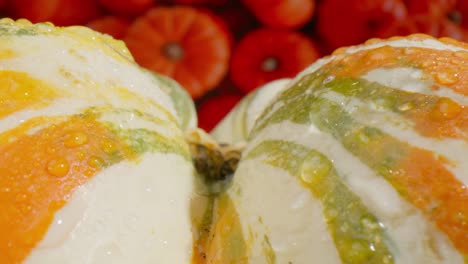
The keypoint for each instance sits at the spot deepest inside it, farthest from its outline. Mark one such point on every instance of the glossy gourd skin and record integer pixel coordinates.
(361, 159)
(94, 167)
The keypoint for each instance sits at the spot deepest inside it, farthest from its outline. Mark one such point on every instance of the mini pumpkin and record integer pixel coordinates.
(268, 54)
(189, 45)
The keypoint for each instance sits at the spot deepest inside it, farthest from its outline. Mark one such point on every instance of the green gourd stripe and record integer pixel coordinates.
(183, 103)
(358, 235)
(386, 98)
(144, 140)
(293, 104)
(141, 140)
(234, 249)
(244, 108)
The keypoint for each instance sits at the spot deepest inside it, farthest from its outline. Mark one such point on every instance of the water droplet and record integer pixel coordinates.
(363, 137)
(21, 197)
(95, 162)
(328, 79)
(427, 63)
(80, 155)
(382, 103)
(446, 108)
(109, 147)
(446, 78)
(314, 168)
(456, 61)
(89, 172)
(58, 167)
(405, 106)
(76, 139)
(368, 223)
(387, 259)
(51, 150)
(461, 189)
(461, 54)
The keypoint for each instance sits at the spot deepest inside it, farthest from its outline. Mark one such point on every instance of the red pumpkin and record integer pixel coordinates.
(183, 43)
(127, 7)
(112, 25)
(455, 10)
(435, 8)
(201, 2)
(267, 54)
(213, 109)
(434, 26)
(282, 13)
(461, 12)
(344, 23)
(238, 19)
(59, 12)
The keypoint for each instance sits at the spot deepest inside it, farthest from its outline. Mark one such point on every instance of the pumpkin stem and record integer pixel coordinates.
(270, 64)
(173, 51)
(215, 163)
(455, 16)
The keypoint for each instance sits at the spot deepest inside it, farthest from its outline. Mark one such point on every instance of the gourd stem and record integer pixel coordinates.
(214, 163)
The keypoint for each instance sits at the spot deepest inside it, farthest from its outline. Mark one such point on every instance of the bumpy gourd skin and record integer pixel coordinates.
(94, 166)
(361, 159)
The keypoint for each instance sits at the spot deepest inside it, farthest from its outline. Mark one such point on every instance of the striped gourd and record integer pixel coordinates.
(94, 166)
(363, 158)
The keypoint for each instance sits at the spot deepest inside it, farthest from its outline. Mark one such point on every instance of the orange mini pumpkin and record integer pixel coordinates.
(184, 43)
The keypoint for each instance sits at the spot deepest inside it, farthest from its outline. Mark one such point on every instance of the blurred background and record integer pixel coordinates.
(220, 50)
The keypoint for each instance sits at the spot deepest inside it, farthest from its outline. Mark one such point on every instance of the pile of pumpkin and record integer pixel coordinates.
(361, 157)
(219, 50)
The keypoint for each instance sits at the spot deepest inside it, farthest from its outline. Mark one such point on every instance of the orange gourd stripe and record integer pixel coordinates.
(445, 118)
(426, 183)
(40, 171)
(444, 66)
(418, 175)
(20, 91)
(226, 243)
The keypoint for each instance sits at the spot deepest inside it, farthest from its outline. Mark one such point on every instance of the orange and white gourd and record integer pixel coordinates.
(363, 158)
(94, 167)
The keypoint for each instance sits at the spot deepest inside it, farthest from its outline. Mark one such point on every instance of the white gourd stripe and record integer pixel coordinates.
(61, 106)
(83, 72)
(412, 80)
